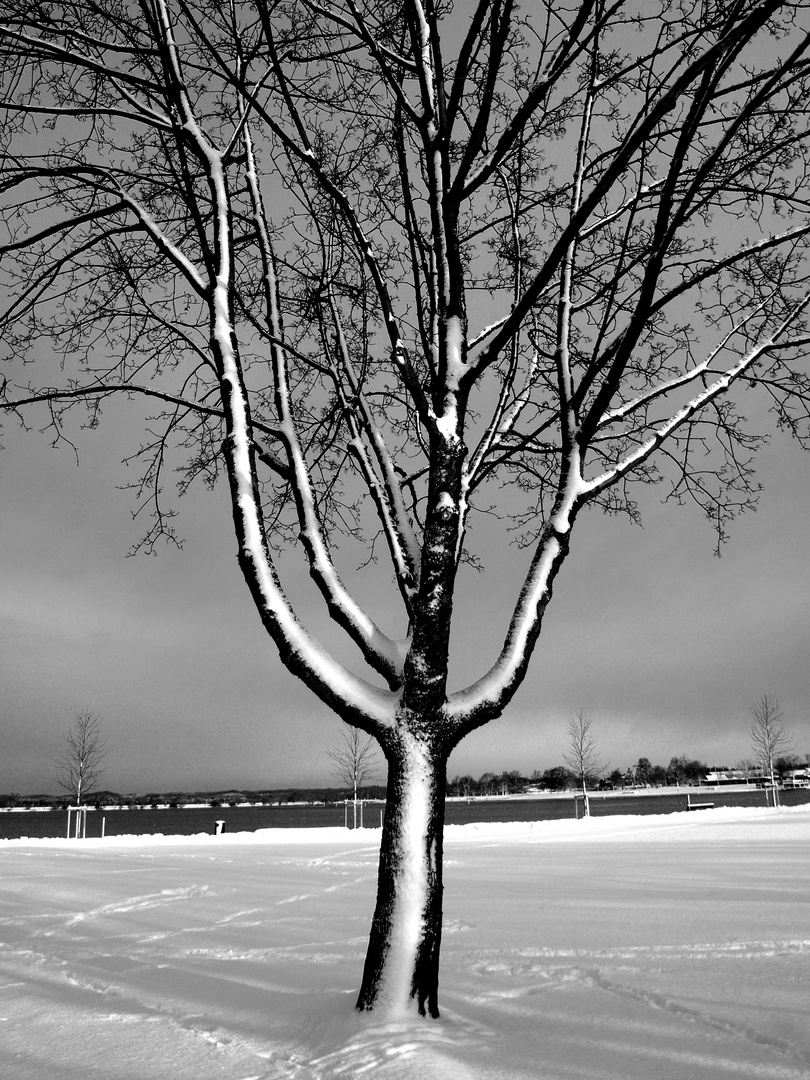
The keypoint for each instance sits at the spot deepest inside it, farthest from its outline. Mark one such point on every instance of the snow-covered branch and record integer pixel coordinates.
(349, 694)
(693, 407)
(380, 651)
(487, 696)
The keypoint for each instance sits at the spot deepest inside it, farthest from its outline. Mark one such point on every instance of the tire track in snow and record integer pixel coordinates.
(321, 892)
(350, 857)
(139, 903)
(120, 1003)
(345, 863)
(713, 950)
(654, 999)
(533, 964)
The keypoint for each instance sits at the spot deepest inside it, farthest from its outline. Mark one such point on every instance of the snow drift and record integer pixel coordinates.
(671, 947)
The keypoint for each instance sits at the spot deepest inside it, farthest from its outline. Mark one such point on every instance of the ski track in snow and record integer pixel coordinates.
(529, 977)
(243, 964)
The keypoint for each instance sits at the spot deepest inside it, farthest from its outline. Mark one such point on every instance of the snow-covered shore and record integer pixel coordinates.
(672, 947)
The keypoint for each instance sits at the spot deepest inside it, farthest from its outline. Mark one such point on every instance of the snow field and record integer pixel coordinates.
(665, 948)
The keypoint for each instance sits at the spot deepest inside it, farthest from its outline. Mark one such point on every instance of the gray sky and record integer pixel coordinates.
(664, 644)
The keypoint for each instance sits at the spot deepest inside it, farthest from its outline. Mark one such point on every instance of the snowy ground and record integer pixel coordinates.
(663, 948)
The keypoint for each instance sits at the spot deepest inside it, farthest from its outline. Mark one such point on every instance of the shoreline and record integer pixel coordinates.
(531, 796)
(792, 818)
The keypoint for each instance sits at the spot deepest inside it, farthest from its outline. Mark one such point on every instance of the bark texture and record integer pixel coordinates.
(402, 961)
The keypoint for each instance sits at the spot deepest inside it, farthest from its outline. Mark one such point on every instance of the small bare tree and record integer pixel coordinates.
(580, 755)
(746, 766)
(768, 738)
(80, 767)
(355, 761)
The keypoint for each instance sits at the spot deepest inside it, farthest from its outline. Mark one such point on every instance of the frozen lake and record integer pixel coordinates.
(660, 947)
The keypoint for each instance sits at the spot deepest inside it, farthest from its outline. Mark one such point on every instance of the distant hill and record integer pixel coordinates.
(230, 796)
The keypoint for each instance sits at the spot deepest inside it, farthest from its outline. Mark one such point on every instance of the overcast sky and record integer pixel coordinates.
(664, 644)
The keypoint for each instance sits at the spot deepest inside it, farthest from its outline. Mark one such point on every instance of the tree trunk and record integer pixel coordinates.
(773, 785)
(402, 963)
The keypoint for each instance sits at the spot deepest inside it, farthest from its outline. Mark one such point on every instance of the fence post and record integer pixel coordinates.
(80, 822)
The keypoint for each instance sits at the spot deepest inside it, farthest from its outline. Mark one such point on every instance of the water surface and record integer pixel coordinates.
(186, 822)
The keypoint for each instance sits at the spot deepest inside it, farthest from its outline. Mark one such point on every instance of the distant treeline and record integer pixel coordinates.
(681, 770)
(208, 798)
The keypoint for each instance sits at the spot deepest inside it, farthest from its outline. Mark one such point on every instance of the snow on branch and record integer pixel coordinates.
(163, 243)
(302, 653)
(693, 407)
(487, 696)
(380, 651)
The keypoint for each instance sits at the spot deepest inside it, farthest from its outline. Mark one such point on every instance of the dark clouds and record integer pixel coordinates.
(663, 643)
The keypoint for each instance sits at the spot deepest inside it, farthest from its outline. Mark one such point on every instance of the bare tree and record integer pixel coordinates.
(385, 266)
(746, 766)
(355, 762)
(769, 738)
(581, 755)
(80, 767)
